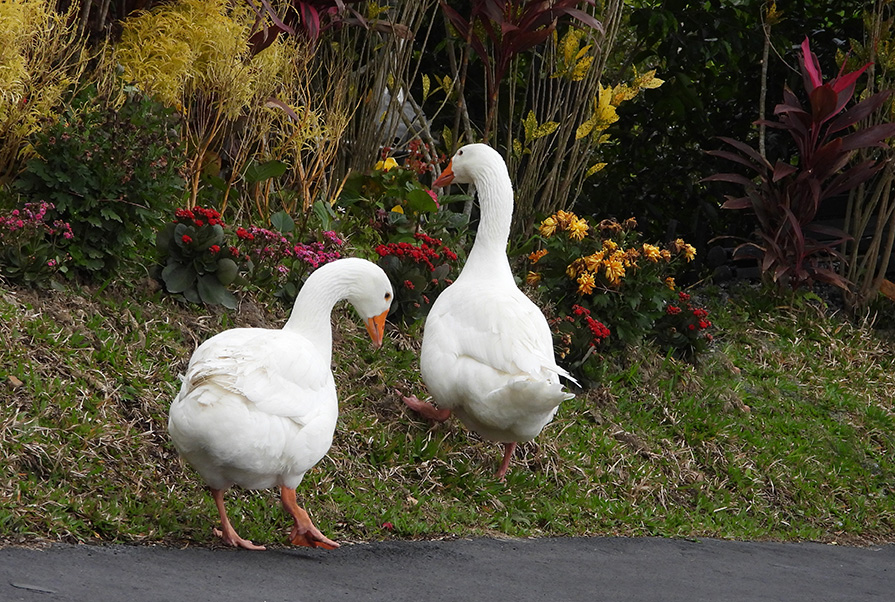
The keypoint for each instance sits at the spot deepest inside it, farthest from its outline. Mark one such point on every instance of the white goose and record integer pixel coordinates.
(487, 353)
(258, 406)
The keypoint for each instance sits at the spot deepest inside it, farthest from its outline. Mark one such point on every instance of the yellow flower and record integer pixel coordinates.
(578, 229)
(592, 262)
(575, 268)
(535, 256)
(666, 254)
(652, 252)
(564, 218)
(689, 252)
(386, 165)
(533, 278)
(586, 283)
(669, 282)
(615, 271)
(610, 245)
(548, 227)
(398, 209)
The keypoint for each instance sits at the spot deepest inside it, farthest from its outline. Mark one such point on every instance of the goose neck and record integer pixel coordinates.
(311, 314)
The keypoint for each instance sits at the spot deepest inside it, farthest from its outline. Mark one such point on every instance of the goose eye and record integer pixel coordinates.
(459, 152)
(388, 296)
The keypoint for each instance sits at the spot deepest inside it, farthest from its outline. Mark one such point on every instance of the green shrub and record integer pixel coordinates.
(611, 290)
(197, 264)
(389, 204)
(30, 244)
(419, 272)
(111, 173)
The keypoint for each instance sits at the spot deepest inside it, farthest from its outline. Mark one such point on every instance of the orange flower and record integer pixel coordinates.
(592, 262)
(586, 283)
(669, 282)
(532, 278)
(548, 227)
(575, 268)
(535, 256)
(651, 252)
(578, 229)
(615, 271)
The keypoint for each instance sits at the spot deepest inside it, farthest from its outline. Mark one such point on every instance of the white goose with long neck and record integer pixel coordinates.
(487, 353)
(258, 406)
(484, 167)
(326, 286)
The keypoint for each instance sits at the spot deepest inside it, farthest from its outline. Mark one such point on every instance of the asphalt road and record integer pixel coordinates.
(554, 570)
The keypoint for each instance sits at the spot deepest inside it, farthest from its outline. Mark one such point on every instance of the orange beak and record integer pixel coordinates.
(446, 177)
(376, 328)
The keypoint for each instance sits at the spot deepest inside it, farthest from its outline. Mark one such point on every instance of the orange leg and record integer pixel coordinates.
(304, 533)
(227, 533)
(427, 410)
(508, 449)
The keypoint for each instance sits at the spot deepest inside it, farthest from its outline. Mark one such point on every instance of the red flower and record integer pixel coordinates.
(409, 284)
(244, 234)
(199, 223)
(214, 249)
(580, 311)
(186, 239)
(672, 310)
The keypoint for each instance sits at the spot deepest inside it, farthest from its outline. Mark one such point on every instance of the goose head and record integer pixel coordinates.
(468, 164)
(358, 281)
(371, 296)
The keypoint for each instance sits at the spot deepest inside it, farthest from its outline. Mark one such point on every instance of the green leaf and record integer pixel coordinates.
(426, 86)
(178, 277)
(282, 222)
(213, 292)
(324, 214)
(420, 201)
(258, 172)
(227, 271)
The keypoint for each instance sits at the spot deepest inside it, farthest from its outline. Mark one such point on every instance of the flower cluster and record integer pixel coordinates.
(684, 328)
(198, 216)
(280, 263)
(428, 252)
(196, 261)
(418, 272)
(604, 268)
(611, 260)
(29, 244)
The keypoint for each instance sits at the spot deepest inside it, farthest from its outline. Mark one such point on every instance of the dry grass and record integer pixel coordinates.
(786, 431)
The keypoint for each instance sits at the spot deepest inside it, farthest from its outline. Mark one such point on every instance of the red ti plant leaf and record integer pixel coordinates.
(810, 68)
(858, 112)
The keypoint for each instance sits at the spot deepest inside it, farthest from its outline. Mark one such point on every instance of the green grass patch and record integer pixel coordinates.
(786, 430)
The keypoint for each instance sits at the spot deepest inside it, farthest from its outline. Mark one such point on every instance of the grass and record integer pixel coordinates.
(786, 430)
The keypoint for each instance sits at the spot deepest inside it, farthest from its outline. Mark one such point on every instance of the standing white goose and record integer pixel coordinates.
(487, 353)
(258, 406)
